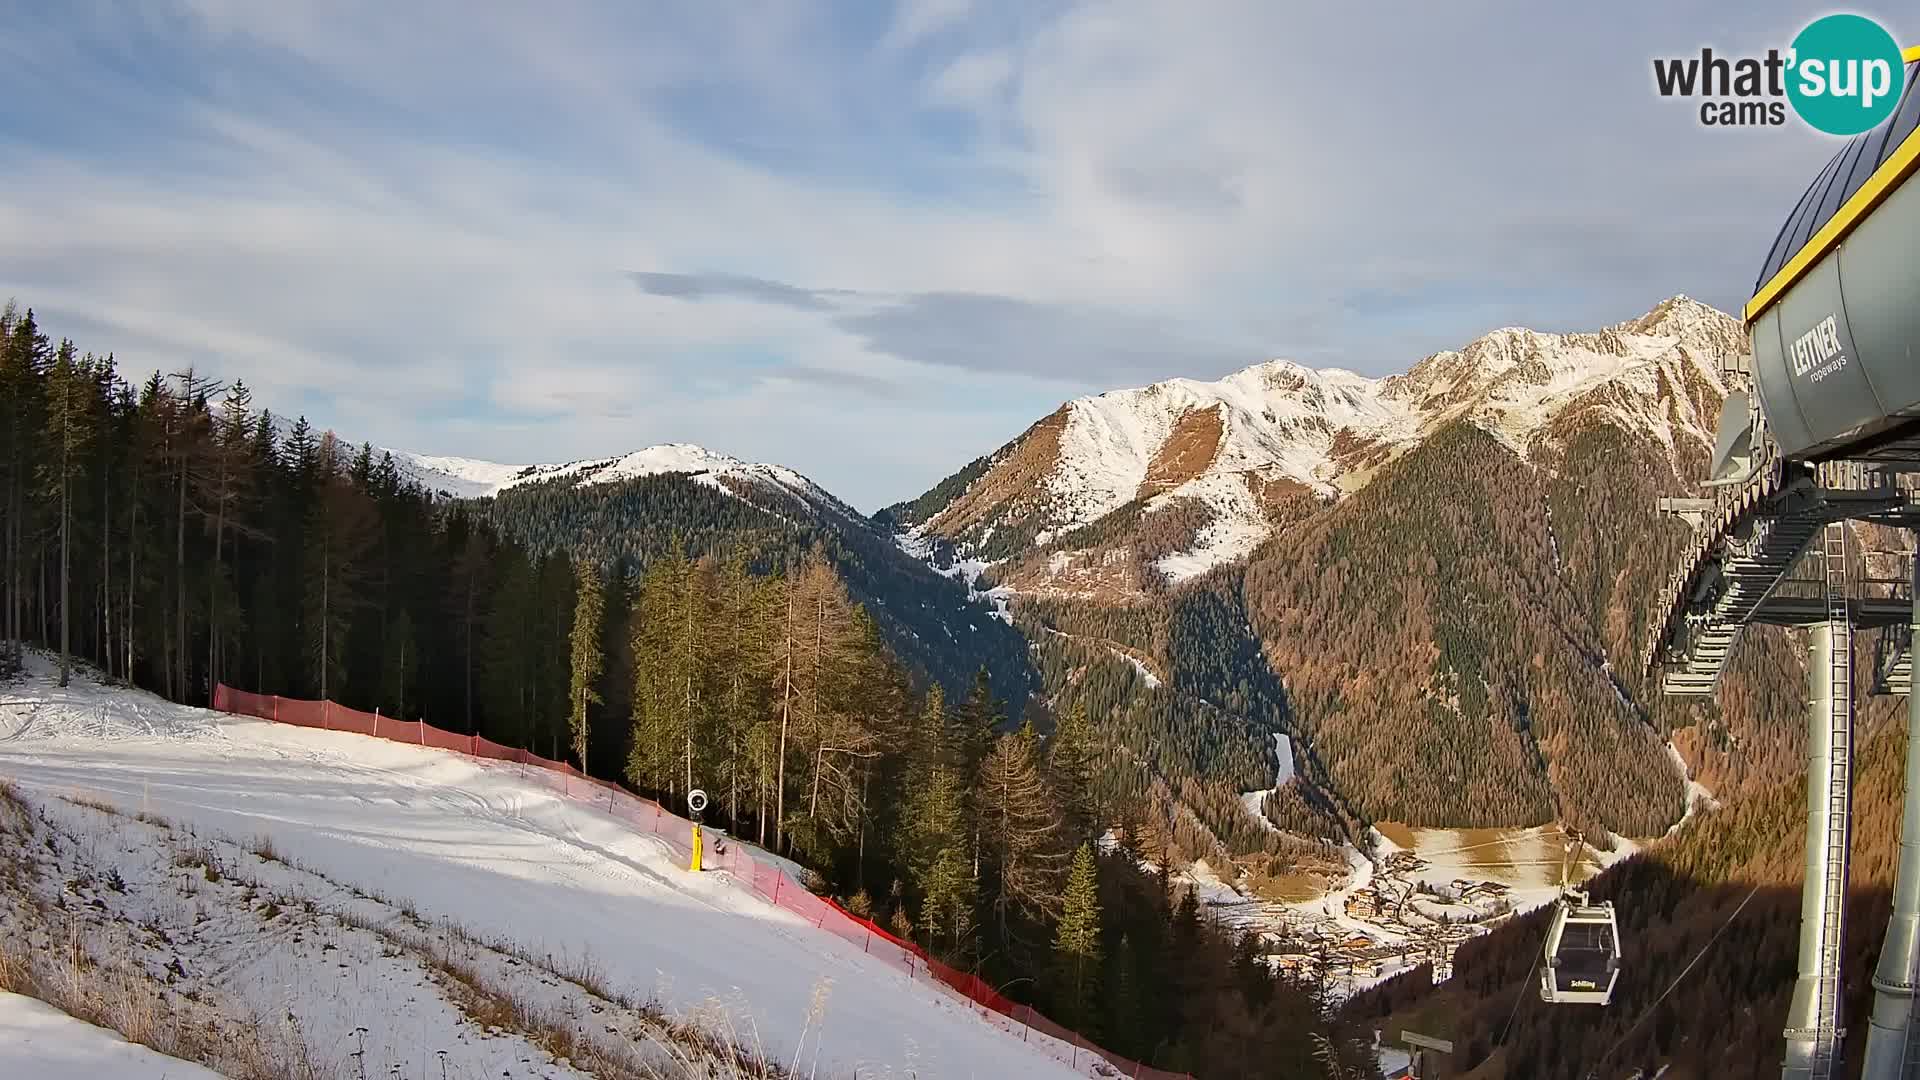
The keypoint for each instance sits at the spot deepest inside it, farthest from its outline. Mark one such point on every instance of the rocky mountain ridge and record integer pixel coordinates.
(1218, 462)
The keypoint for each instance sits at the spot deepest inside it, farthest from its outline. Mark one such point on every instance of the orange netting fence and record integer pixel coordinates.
(767, 879)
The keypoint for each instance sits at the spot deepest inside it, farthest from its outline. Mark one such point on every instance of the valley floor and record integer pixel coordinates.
(390, 902)
(1480, 878)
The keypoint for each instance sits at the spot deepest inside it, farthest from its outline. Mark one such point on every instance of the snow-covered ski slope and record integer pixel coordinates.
(474, 843)
(39, 1041)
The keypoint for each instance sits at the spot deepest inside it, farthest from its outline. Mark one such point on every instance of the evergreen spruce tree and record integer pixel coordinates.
(70, 422)
(224, 495)
(1070, 765)
(510, 643)
(1076, 941)
(742, 653)
(401, 661)
(946, 914)
(339, 532)
(587, 658)
(24, 356)
(663, 674)
(971, 736)
(975, 723)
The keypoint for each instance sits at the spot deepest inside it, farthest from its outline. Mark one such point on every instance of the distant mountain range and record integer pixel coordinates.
(1227, 452)
(466, 478)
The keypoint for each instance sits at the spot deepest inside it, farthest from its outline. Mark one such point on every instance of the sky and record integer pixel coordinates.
(870, 241)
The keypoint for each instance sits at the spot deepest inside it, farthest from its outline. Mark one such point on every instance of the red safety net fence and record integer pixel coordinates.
(765, 877)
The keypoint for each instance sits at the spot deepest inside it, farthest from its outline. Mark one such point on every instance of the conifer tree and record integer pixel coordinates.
(1076, 941)
(742, 646)
(510, 647)
(587, 658)
(1020, 829)
(186, 431)
(467, 590)
(1070, 765)
(975, 723)
(224, 494)
(24, 355)
(971, 736)
(69, 426)
(947, 909)
(339, 532)
(401, 661)
(664, 672)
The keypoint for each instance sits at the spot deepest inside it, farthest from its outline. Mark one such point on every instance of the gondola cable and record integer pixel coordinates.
(1518, 998)
(1642, 1018)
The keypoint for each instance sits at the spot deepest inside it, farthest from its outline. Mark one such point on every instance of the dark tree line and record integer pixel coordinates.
(171, 534)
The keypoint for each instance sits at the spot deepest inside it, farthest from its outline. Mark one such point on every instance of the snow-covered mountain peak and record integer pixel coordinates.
(1236, 444)
(1688, 322)
(467, 478)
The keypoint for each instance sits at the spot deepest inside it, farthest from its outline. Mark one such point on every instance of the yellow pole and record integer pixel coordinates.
(695, 867)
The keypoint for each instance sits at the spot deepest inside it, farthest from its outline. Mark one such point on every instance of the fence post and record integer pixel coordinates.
(423, 731)
(476, 744)
(776, 888)
(326, 721)
(376, 721)
(276, 708)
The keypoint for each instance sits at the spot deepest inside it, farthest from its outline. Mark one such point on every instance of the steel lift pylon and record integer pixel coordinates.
(1822, 429)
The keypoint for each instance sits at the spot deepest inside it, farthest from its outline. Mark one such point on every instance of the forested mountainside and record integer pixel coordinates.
(931, 621)
(1436, 583)
(173, 536)
(1724, 1017)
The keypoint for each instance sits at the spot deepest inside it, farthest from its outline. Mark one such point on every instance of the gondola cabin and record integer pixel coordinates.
(1582, 960)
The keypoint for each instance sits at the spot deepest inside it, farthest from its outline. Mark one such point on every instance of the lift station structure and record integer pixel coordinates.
(1822, 429)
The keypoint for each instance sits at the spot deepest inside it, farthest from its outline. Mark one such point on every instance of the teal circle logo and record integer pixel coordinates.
(1845, 74)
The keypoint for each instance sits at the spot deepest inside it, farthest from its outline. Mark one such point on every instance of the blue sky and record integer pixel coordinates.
(867, 240)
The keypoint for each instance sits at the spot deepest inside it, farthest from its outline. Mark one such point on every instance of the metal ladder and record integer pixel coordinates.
(1910, 1054)
(1826, 1060)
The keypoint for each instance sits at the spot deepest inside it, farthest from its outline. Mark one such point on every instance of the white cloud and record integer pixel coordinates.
(916, 20)
(399, 216)
(973, 79)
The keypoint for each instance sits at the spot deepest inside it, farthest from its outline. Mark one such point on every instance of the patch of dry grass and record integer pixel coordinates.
(94, 802)
(264, 850)
(84, 966)
(201, 858)
(669, 1048)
